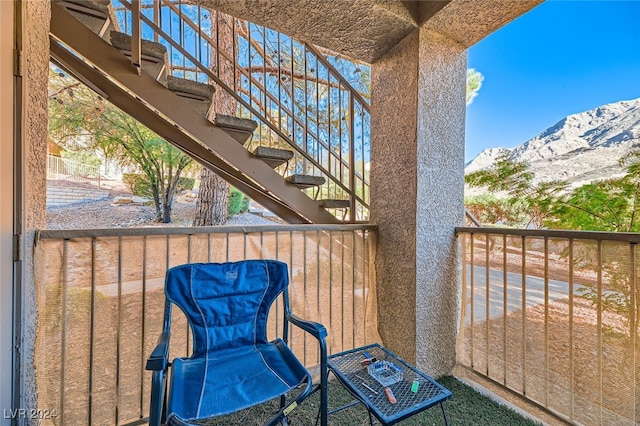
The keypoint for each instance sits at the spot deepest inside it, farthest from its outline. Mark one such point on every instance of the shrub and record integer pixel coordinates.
(137, 184)
(238, 202)
(186, 183)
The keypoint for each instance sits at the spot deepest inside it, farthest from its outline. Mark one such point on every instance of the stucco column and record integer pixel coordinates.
(417, 176)
(36, 15)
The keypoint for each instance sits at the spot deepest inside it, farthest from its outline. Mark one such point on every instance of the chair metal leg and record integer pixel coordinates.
(157, 411)
(324, 395)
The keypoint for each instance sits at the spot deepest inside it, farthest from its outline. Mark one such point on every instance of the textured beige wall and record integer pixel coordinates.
(440, 198)
(362, 29)
(394, 83)
(35, 77)
(417, 157)
(6, 193)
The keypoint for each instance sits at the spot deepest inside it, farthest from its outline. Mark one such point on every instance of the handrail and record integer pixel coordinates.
(68, 234)
(630, 237)
(265, 97)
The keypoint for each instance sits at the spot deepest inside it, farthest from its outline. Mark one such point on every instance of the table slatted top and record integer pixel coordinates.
(347, 366)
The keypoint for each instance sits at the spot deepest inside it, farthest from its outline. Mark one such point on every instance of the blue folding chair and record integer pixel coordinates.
(233, 365)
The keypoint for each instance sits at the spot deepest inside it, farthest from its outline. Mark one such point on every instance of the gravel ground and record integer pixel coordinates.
(105, 214)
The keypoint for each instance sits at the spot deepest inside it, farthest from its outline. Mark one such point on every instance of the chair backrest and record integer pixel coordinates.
(226, 304)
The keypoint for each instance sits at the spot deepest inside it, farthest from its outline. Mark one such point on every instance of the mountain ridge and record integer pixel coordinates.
(580, 148)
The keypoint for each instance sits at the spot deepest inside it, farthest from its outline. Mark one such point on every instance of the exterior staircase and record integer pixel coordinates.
(178, 109)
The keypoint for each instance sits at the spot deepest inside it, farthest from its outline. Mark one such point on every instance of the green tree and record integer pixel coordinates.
(474, 83)
(80, 119)
(516, 182)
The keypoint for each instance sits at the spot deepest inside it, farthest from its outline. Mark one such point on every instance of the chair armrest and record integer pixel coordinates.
(159, 358)
(317, 330)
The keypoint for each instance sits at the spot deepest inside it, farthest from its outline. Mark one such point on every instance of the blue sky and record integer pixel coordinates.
(561, 58)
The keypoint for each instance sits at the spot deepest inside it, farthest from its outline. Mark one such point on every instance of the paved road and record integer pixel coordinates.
(534, 292)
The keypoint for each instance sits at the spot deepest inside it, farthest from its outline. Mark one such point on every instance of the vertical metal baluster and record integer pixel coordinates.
(342, 287)
(119, 332)
(318, 282)
(277, 234)
(279, 85)
(209, 247)
(136, 53)
(571, 413)
(290, 329)
(92, 322)
(340, 162)
(352, 160)
(523, 353)
(63, 337)
(227, 247)
(181, 31)
(546, 321)
(217, 38)
(189, 248)
(599, 310)
(353, 288)
(262, 245)
(199, 43)
(244, 242)
(462, 343)
(144, 322)
(305, 132)
(156, 19)
(328, 123)
(317, 105)
(264, 69)
(236, 75)
(472, 296)
(251, 102)
(633, 288)
(505, 301)
(293, 93)
(486, 307)
(305, 313)
(331, 238)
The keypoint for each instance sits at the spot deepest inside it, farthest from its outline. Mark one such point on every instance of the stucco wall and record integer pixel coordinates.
(394, 83)
(36, 65)
(6, 214)
(440, 198)
(417, 157)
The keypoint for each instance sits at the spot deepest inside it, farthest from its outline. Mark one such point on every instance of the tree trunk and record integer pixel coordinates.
(213, 198)
(212, 201)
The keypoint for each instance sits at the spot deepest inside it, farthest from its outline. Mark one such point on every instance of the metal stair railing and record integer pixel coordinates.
(299, 98)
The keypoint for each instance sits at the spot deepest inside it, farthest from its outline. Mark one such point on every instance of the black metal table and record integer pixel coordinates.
(352, 374)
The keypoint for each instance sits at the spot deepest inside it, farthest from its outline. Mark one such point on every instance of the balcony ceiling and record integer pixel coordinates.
(366, 29)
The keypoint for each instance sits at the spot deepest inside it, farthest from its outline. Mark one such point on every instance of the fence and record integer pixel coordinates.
(553, 317)
(62, 168)
(101, 301)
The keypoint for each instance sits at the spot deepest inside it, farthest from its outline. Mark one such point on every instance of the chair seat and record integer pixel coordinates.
(228, 382)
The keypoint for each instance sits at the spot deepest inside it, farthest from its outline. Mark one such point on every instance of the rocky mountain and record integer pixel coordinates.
(579, 148)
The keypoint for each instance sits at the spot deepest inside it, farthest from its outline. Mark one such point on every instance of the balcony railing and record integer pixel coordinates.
(553, 317)
(100, 301)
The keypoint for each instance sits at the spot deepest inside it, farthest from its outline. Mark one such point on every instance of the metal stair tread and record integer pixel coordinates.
(334, 204)
(305, 181)
(148, 48)
(94, 14)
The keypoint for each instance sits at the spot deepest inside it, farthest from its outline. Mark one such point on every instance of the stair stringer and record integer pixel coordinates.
(145, 99)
